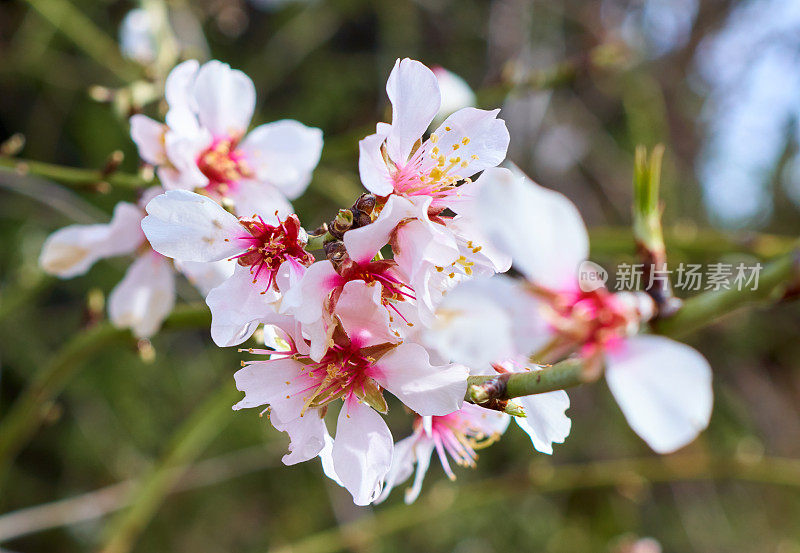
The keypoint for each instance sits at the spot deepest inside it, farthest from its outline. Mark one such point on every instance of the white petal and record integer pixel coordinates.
(137, 36)
(238, 305)
(305, 301)
(70, 251)
(269, 383)
(179, 83)
(306, 434)
(476, 136)
(183, 151)
(363, 316)
(363, 243)
(149, 138)
(362, 450)
(402, 467)
(555, 241)
(426, 389)
(226, 99)
(284, 154)
(414, 94)
(190, 227)
(422, 454)
(326, 458)
(372, 167)
(257, 198)
(471, 328)
(545, 421)
(663, 388)
(206, 276)
(144, 298)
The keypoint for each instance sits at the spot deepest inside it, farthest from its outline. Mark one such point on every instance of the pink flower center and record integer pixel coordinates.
(596, 319)
(458, 435)
(429, 171)
(223, 165)
(269, 246)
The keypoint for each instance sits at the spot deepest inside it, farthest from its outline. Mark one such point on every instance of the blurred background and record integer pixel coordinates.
(580, 83)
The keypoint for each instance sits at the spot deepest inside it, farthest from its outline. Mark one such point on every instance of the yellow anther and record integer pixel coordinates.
(465, 141)
(434, 139)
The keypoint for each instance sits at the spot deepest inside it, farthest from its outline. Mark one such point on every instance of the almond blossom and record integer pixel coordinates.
(269, 254)
(356, 368)
(396, 159)
(204, 145)
(146, 294)
(663, 387)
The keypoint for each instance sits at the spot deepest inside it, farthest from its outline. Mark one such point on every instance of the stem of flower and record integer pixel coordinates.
(71, 175)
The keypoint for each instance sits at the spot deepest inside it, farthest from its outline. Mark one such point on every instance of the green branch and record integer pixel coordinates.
(71, 175)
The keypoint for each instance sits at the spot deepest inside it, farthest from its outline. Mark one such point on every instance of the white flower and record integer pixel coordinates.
(146, 295)
(204, 145)
(269, 254)
(663, 387)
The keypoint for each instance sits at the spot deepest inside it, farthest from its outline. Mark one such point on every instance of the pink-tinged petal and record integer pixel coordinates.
(319, 335)
(363, 316)
(362, 450)
(305, 301)
(663, 388)
(289, 274)
(545, 421)
(475, 248)
(144, 298)
(471, 328)
(414, 94)
(190, 227)
(257, 198)
(283, 154)
(477, 137)
(363, 243)
(238, 305)
(306, 435)
(149, 138)
(555, 241)
(456, 93)
(182, 152)
(226, 99)
(70, 251)
(206, 276)
(372, 167)
(403, 460)
(279, 383)
(179, 84)
(407, 373)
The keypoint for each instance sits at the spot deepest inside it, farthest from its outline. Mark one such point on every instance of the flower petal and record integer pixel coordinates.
(363, 316)
(190, 227)
(70, 251)
(144, 298)
(306, 434)
(257, 198)
(363, 243)
(238, 306)
(545, 421)
(414, 94)
(179, 84)
(555, 240)
(283, 154)
(362, 450)
(663, 388)
(226, 99)
(149, 138)
(476, 136)
(306, 300)
(372, 167)
(407, 373)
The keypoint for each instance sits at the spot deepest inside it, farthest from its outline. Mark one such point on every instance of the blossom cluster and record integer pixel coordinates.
(402, 292)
